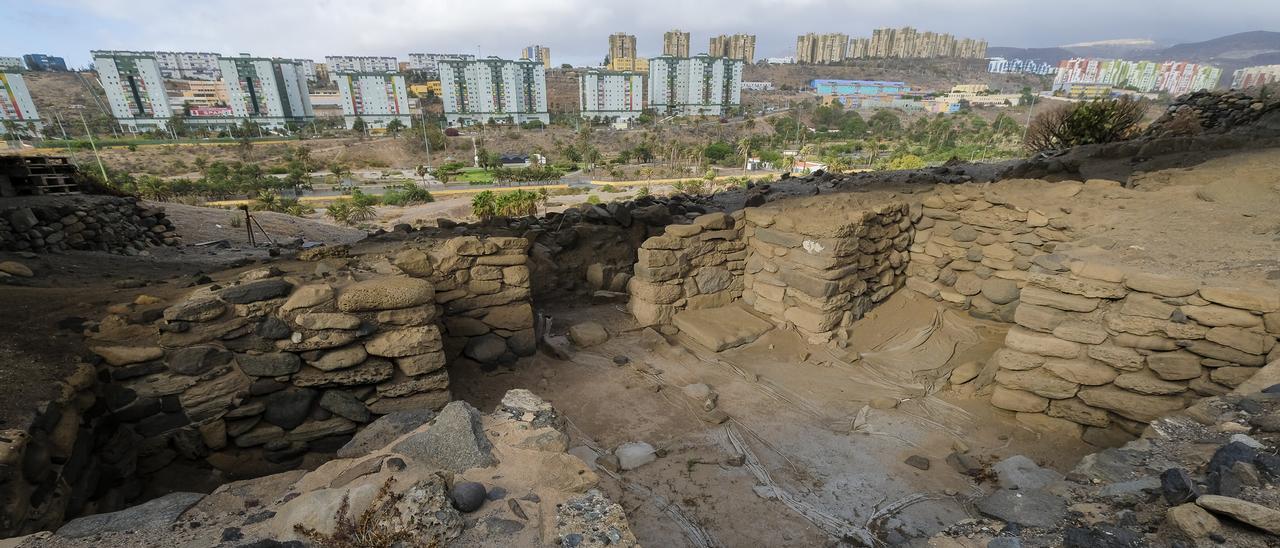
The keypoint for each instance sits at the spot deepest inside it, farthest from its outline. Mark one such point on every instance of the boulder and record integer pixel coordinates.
(196, 360)
(588, 334)
(289, 408)
(1021, 473)
(1034, 508)
(340, 358)
(253, 292)
(196, 310)
(635, 454)
(383, 431)
(1192, 521)
(327, 320)
(1138, 407)
(467, 496)
(486, 349)
(1257, 515)
(125, 355)
(346, 405)
(454, 441)
(387, 293)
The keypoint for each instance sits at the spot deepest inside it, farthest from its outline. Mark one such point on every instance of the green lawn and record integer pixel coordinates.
(475, 175)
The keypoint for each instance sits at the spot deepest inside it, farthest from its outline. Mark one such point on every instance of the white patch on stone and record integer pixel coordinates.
(812, 247)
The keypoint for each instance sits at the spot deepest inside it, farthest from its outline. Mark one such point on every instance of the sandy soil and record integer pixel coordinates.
(799, 411)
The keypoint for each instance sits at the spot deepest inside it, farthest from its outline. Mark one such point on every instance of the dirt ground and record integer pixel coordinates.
(799, 415)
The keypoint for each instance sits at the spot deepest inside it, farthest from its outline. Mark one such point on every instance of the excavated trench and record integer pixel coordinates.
(844, 364)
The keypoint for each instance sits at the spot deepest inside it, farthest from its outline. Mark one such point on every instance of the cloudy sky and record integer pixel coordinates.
(577, 30)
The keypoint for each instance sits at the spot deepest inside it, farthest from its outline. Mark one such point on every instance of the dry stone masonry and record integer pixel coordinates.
(690, 266)
(973, 249)
(252, 376)
(88, 223)
(1097, 347)
(821, 269)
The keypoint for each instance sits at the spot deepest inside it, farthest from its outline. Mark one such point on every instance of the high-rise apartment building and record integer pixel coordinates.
(377, 98)
(563, 93)
(611, 95)
(11, 63)
(308, 69)
(622, 46)
(429, 63)
(692, 86)
(675, 43)
(628, 64)
(15, 102)
(909, 43)
(135, 88)
(821, 48)
(475, 92)
(349, 63)
(1255, 76)
(1172, 77)
(270, 92)
(541, 54)
(734, 46)
(40, 62)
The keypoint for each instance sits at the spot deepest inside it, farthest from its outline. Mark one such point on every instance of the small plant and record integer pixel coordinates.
(376, 527)
(235, 219)
(593, 199)
(608, 189)
(644, 191)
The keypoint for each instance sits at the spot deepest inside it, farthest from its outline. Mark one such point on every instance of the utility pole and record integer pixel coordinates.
(101, 169)
(425, 140)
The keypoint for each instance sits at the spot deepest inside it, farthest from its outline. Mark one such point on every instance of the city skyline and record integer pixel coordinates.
(71, 28)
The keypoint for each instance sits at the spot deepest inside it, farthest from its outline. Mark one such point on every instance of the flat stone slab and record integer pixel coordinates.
(154, 514)
(721, 328)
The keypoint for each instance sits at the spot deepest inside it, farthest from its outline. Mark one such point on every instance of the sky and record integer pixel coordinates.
(577, 30)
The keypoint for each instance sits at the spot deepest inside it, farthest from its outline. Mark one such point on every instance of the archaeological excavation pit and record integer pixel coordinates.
(879, 365)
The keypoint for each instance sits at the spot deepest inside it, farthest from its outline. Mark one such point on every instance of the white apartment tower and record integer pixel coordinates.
(270, 92)
(349, 63)
(693, 86)
(610, 95)
(429, 63)
(475, 92)
(15, 102)
(135, 89)
(375, 97)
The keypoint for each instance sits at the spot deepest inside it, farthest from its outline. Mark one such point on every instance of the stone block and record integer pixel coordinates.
(1119, 357)
(1038, 381)
(1146, 382)
(1160, 285)
(1241, 339)
(1079, 412)
(1077, 286)
(1018, 400)
(1083, 370)
(1031, 342)
(1259, 299)
(1131, 405)
(1056, 299)
(1175, 366)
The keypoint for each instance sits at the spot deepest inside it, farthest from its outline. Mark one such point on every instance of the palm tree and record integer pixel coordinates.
(744, 149)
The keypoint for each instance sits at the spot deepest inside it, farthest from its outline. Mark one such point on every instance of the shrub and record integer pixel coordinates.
(407, 194)
(1085, 123)
(378, 526)
(644, 191)
(608, 188)
(517, 203)
(906, 161)
(593, 199)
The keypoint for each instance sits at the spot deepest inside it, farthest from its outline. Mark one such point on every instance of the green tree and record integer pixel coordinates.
(359, 125)
(395, 126)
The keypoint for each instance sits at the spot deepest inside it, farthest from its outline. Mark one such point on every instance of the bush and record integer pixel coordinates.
(1085, 123)
(407, 194)
(593, 199)
(517, 203)
(608, 188)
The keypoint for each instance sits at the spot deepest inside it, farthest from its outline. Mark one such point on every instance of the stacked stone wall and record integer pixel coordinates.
(252, 376)
(87, 223)
(692, 266)
(1103, 351)
(49, 468)
(974, 250)
(820, 271)
(483, 285)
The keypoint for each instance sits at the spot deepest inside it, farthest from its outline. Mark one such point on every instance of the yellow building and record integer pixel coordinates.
(634, 64)
(970, 88)
(1088, 91)
(423, 89)
(197, 93)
